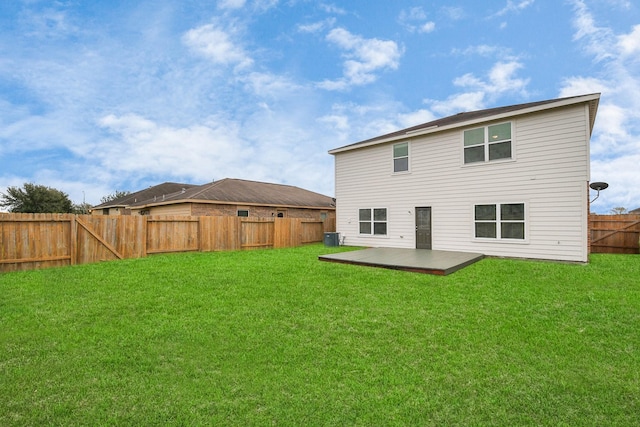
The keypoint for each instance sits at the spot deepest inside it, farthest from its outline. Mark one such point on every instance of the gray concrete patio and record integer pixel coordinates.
(415, 260)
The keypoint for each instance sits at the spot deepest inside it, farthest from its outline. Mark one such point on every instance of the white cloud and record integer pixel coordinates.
(317, 27)
(501, 79)
(415, 20)
(331, 8)
(453, 13)
(217, 45)
(574, 86)
(469, 101)
(269, 85)
(615, 144)
(231, 4)
(427, 27)
(598, 40)
(415, 118)
(478, 92)
(364, 57)
(501, 53)
(621, 173)
(50, 23)
(629, 44)
(142, 146)
(512, 6)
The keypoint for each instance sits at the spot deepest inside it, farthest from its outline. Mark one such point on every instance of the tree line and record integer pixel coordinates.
(34, 198)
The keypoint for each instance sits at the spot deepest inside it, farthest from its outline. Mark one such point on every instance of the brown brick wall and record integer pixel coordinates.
(208, 209)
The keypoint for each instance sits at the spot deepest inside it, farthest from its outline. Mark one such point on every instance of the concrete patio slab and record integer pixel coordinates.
(415, 260)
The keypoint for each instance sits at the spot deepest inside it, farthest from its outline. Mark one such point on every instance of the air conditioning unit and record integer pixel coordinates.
(332, 239)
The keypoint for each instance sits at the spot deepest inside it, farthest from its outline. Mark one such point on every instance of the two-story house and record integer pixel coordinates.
(509, 181)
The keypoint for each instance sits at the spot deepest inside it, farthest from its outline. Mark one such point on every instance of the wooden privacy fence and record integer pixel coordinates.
(31, 241)
(615, 234)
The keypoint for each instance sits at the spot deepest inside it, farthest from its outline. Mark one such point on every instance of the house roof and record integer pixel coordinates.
(473, 117)
(240, 191)
(635, 211)
(146, 194)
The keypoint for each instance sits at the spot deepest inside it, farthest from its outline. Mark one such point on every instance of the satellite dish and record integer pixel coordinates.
(598, 186)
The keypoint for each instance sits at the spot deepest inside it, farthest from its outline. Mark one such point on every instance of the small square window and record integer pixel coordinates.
(486, 230)
(365, 228)
(485, 212)
(243, 212)
(512, 212)
(365, 214)
(512, 230)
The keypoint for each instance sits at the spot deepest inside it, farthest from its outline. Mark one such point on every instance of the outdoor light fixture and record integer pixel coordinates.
(598, 186)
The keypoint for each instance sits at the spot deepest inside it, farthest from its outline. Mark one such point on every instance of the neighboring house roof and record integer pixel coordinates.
(635, 211)
(472, 117)
(240, 191)
(146, 194)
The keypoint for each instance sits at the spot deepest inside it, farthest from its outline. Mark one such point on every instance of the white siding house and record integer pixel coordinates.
(509, 181)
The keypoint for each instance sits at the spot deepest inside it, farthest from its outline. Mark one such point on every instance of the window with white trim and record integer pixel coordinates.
(373, 221)
(488, 143)
(501, 221)
(401, 157)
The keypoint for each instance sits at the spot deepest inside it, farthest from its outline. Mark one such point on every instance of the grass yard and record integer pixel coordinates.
(276, 337)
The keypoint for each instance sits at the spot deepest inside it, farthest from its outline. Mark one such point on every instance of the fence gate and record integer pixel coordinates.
(90, 245)
(619, 234)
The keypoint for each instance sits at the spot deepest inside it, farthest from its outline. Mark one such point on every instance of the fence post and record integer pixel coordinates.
(144, 235)
(73, 240)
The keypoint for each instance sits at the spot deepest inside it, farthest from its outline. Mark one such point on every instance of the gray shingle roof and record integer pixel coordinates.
(146, 194)
(242, 191)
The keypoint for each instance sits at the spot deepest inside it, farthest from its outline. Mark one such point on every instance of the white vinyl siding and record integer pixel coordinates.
(550, 173)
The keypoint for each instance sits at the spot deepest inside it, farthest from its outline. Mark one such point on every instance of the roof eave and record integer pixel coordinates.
(219, 202)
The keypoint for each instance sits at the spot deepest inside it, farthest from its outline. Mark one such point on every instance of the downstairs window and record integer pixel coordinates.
(373, 221)
(500, 221)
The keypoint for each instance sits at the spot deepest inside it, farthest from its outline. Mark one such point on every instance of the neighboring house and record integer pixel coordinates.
(238, 197)
(509, 181)
(121, 205)
(635, 212)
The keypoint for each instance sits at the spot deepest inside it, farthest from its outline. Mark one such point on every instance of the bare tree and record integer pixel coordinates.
(115, 195)
(619, 210)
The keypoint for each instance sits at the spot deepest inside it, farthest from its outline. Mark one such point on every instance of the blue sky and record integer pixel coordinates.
(102, 96)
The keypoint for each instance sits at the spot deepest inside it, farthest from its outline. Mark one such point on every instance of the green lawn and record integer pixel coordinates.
(276, 337)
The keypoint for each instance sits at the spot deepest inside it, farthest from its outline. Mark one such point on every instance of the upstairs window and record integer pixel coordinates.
(500, 221)
(401, 157)
(488, 143)
(373, 221)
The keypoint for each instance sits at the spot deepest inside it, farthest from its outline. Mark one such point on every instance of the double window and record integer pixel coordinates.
(401, 157)
(488, 143)
(501, 221)
(373, 221)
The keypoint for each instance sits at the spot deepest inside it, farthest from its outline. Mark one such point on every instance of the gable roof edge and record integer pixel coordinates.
(591, 99)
